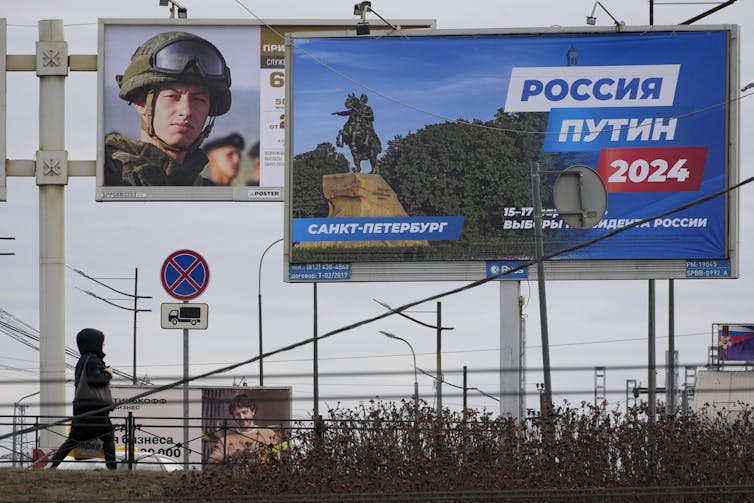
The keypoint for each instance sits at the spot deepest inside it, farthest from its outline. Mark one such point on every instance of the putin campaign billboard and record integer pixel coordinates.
(410, 155)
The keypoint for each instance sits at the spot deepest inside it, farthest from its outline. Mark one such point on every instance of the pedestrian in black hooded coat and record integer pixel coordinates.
(90, 342)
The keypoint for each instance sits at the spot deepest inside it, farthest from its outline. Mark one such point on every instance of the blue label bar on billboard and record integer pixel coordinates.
(320, 272)
(708, 268)
(377, 229)
(493, 268)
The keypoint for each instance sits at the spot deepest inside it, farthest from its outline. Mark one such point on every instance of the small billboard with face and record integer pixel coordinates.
(224, 422)
(194, 110)
(411, 157)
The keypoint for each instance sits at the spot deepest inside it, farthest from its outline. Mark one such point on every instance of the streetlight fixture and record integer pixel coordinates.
(416, 382)
(438, 328)
(259, 286)
(362, 27)
(592, 19)
(182, 11)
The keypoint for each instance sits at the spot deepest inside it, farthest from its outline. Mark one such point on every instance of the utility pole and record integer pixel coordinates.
(539, 253)
(135, 309)
(438, 329)
(439, 358)
(316, 358)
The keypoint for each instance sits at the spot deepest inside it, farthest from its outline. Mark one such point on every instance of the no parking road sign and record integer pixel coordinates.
(185, 274)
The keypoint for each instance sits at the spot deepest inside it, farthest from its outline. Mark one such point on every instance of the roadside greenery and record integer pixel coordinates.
(573, 454)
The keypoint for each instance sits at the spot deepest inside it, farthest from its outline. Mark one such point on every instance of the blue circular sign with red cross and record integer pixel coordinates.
(185, 274)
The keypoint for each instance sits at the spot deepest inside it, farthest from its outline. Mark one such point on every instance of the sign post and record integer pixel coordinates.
(185, 275)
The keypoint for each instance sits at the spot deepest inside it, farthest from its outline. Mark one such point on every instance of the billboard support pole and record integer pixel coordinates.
(439, 358)
(316, 359)
(185, 398)
(651, 378)
(670, 381)
(51, 177)
(136, 310)
(539, 253)
(511, 349)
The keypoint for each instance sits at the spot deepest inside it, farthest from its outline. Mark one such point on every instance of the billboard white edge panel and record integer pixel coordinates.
(720, 261)
(3, 107)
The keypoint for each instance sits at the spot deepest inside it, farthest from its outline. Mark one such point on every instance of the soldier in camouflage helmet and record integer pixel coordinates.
(178, 83)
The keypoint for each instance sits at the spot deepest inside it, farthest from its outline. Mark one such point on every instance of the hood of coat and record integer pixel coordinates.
(90, 340)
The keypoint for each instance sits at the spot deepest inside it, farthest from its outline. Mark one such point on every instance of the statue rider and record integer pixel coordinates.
(358, 131)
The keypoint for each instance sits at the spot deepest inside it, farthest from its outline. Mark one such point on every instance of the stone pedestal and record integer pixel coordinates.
(361, 195)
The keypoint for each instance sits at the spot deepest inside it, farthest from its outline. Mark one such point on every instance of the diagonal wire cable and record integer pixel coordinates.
(402, 308)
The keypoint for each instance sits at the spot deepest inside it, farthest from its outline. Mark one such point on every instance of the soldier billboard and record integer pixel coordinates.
(410, 157)
(193, 110)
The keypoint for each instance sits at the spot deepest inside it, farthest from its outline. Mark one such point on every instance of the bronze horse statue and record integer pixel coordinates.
(358, 132)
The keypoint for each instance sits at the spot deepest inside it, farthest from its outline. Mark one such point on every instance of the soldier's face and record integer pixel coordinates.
(179, 113)
(223, 164)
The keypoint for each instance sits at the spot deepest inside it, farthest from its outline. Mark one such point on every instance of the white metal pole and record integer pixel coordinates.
(51, 242)
(510, 349)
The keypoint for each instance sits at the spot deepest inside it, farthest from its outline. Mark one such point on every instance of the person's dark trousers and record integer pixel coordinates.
(108, 445)
(63, 451)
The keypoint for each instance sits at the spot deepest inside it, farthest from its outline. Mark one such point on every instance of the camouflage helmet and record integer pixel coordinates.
(177, 56)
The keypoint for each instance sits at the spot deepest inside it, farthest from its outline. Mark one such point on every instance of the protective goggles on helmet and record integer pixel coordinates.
(174, 57)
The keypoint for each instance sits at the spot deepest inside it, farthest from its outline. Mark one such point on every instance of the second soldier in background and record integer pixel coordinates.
(224, 156)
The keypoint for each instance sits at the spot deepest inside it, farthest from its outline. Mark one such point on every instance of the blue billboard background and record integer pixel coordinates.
(417, 81)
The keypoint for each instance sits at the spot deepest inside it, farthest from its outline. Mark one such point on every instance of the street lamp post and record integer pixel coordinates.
(19, 412)
(416, 382)
(438, 328)
(259, 290)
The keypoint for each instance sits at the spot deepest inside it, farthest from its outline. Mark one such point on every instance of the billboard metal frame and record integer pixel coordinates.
(726, 266)
(269, 192)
